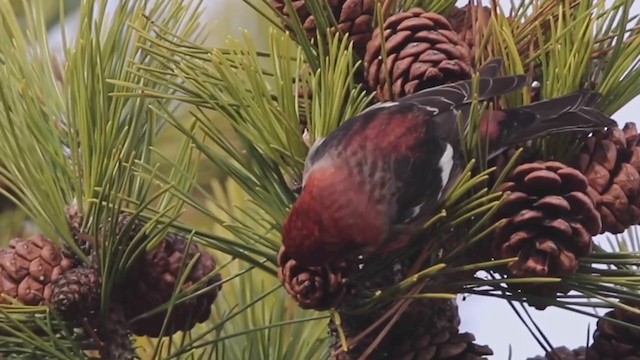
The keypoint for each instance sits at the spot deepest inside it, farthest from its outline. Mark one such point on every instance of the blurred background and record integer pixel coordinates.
(491, 320)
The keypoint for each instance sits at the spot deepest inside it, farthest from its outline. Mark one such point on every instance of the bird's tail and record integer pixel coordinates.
(573, 112)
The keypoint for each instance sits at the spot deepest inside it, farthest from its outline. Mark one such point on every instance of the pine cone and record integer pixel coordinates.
(76, 293)
(563, 353)
(27, 268)
(84, 242)
(422, 51)
(470, 23)
(426, 345)
(550, 221)
(430, 330)
(354, 17)
(613, 341)
(318, 288)
(151, 284)
(427, 330)
(611, 163)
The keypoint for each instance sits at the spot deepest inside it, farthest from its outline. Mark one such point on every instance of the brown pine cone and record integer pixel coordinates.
(427, 330)
(611, 163)
(563, 353)
(550, 220)
(613, 341)
(430, 330)
(76, 293)
(470, 23)
(426, 345)
(27, 268)
(85, 243)
(354, 17)
(318, 288)
(151, 283)
(422, 51)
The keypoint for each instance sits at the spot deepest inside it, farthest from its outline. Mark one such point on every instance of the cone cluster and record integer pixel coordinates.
(415, 50)
(35, 271)
(611, 163)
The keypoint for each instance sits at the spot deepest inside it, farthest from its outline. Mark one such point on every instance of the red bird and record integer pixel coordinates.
(371, 184)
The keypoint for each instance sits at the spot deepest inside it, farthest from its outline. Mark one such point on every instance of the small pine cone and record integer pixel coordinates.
(318, 288)
(27, 268)
(82, 240)
(152, 281)
(470, 23)
(611, 163)
(614, 341)
(550, 220)
(422, 51)
(563, 353)
(354, 17)
(76, 293)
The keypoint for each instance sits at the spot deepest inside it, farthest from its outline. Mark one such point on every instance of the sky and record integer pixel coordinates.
(491, 320)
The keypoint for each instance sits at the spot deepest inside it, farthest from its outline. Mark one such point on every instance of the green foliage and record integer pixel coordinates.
(90, 137)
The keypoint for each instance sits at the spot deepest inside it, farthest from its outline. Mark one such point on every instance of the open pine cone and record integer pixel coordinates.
(550, 220)
(152, 281)
(354, 17)
(318, 288)
(611, 163)
(431, 333)
(613, 341)
(422, 51)
(429, 329)
(27, 269)
(563, 353)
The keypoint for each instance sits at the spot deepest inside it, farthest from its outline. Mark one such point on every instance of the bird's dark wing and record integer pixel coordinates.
(573, 112)
(446, 97)
(491, 68)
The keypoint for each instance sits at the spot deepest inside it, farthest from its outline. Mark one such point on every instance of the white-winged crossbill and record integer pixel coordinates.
(370, 185)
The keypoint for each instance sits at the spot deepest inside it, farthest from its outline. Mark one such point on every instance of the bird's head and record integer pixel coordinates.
(306, 234)
(331, 219)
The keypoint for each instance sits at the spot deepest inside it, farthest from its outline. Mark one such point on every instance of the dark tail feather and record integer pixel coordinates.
(572, 112)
